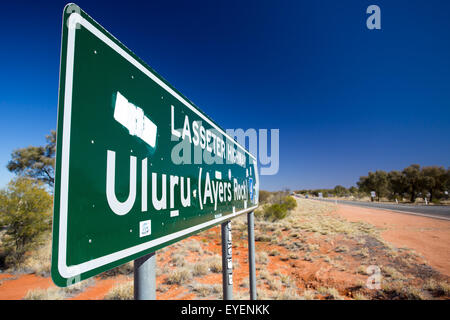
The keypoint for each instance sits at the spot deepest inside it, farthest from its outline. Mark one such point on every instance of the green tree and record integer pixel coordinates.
(433, 180)
(447, 180)
(397, 184)
(376, 181)
(381, 184)
(25, 214)
(353, 190)
(36, 162)
(413, 180)
(340, 190)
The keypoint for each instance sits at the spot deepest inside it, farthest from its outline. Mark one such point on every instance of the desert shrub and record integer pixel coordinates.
(360, 296)
(330, 293)
(288, 294)
(274, 284)
(274, 253)
(45, 294)
(308, 295)
(54, 293)
(275, 211)
(341, 249)
(261, 257)
(290, 203)
(398, 290)
(178, 259)
(392, 273)
(39, 260)
(263, 275)
(362, 270)
(78, 287)
(178, 276)
(205, 290)
(280, 209)
(25, 213)
(195, 246)
(121, 291)
(200, 269)
(438, 288)
(215, 263)
(124, 269)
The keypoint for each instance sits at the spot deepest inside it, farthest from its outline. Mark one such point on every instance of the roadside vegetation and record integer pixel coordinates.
(304, 250)
(333, 258)
(412, 184)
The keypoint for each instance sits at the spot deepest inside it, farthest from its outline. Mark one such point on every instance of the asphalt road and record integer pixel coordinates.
(433, 211)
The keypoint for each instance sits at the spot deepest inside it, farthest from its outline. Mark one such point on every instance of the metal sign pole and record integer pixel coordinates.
(251, 254)
(145, 277)
(227, 264)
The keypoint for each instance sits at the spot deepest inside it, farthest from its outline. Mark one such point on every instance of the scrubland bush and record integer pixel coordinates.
(279, 209)
(275, 211)
(25, 214)
(45, 294)
(121, 291)
(178, 276)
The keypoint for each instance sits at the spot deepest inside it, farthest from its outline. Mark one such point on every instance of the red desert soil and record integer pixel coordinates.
(16, 287)
(99, 290)
(427, 236)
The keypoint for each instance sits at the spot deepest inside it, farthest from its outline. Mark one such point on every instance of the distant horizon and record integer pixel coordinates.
(346, 100)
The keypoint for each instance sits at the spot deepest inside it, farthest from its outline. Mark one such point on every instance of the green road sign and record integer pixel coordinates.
(138, 166)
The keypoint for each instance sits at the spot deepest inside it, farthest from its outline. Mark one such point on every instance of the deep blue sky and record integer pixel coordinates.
(346, 99)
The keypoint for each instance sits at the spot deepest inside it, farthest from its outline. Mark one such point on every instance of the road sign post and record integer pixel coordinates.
(138, 165)
(227, 261)
(251, 254)
(145, 277)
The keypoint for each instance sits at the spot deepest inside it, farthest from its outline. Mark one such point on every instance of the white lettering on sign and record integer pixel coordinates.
(208, 139)
(167, 190)
(182, 187)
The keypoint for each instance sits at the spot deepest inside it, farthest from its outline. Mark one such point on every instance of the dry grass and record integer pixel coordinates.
(206, 290)
(200, 269)
(399, 290)
(261, 257)
(121, 291)
(178, 259)
(288, 294)
(194, 246)
(215, 263)
(308, 295)
(330, 293)
(392, 273)
(45, 294)
(126, 269)
(55, 293)
(360, 296)
(39, 261)
(179, 276)
(438, 288)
